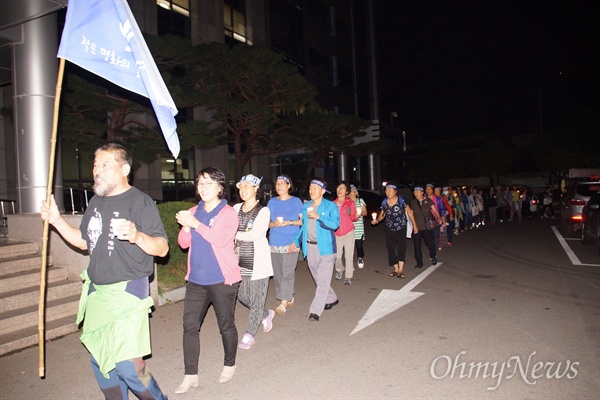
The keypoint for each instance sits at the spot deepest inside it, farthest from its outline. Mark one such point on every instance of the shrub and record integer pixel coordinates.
(173, 267)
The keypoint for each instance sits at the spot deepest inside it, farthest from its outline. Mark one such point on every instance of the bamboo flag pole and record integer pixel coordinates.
(42, 302)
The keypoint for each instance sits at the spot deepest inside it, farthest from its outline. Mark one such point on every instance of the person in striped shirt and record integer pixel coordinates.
(359, 226)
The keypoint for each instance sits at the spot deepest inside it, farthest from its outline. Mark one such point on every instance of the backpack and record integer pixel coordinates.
(384, 203)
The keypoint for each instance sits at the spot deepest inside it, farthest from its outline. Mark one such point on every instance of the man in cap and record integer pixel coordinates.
(320, 220)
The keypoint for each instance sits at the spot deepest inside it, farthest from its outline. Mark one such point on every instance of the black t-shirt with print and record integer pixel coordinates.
(113, 260)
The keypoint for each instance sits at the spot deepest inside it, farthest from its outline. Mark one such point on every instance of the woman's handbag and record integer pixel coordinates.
(432, 223)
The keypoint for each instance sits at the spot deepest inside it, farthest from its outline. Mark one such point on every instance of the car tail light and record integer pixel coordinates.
(534, 201)
(577, 218)
(576, 202)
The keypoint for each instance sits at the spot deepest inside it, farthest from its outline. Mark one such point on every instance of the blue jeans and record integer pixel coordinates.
(129, 374)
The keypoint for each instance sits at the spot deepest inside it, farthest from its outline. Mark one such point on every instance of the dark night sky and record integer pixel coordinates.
(460, 67)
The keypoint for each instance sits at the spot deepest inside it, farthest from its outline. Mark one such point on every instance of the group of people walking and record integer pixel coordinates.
(436, 214)
(418, 218)
(233, 251)
(229, 259)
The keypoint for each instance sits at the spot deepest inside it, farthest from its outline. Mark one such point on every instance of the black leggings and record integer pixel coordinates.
(198, 299)
(360, 251)
(396, 246)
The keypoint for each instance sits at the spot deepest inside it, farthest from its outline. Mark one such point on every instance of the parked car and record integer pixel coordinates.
(590, 222)
(572, 204)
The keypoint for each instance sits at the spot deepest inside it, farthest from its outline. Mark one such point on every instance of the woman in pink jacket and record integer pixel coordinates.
(213, 277)
(344, 235)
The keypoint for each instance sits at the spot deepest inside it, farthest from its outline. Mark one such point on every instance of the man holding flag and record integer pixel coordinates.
(122, 231)
(121, 228)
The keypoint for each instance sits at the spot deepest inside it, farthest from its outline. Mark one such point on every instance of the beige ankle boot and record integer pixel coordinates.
(188, 382)
(226, 374)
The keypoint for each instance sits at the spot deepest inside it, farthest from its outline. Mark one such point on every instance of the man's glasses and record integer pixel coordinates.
(205, 184)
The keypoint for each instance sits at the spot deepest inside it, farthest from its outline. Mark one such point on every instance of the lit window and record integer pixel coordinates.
(235, 23)
(179, 6)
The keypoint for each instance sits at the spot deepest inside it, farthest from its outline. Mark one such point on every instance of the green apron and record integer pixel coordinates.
(116, 326)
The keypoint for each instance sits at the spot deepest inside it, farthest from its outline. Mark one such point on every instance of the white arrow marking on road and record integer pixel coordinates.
(389, 301)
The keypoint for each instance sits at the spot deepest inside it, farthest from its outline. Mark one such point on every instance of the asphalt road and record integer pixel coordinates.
(507, 315)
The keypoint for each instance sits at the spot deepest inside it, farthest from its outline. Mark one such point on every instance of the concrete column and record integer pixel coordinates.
(342, 172)
(35, 68)
(372, 172)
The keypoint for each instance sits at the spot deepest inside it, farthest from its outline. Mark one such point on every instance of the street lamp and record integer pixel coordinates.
(393, 114)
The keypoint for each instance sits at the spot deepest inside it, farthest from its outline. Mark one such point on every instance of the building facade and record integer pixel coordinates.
(330, 41)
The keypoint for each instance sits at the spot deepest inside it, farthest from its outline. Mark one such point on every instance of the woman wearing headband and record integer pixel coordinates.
(254, 258)
(286, 212)
(396, 212)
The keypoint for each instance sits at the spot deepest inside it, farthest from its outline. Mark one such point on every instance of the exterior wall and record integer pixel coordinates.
(208, 25)
(148, 179)
(7, 149)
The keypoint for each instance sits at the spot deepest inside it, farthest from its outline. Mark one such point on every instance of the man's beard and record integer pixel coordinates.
(101, 187)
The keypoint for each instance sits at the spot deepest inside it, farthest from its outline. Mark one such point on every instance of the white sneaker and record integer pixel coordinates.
(227, 374)
(338, 275)
(361, 263)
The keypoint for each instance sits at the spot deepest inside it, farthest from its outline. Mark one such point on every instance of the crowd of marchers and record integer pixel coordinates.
(233, 251)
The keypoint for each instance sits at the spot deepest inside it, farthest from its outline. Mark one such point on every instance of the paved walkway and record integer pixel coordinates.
(495, 296)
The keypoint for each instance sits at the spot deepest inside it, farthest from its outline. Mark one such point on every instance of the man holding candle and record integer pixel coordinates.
(122, 232)
(320, 220)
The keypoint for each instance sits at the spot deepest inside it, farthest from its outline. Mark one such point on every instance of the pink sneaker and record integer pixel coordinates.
(246, 342)
(268, 321)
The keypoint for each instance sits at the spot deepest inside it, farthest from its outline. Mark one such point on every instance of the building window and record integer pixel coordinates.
(319, 62)
(174, 17)
(179, 6)
(234, 18)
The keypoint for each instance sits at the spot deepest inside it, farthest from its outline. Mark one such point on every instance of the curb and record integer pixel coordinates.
(172, 296)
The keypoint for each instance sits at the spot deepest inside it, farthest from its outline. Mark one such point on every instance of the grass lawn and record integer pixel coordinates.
(171, 277)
